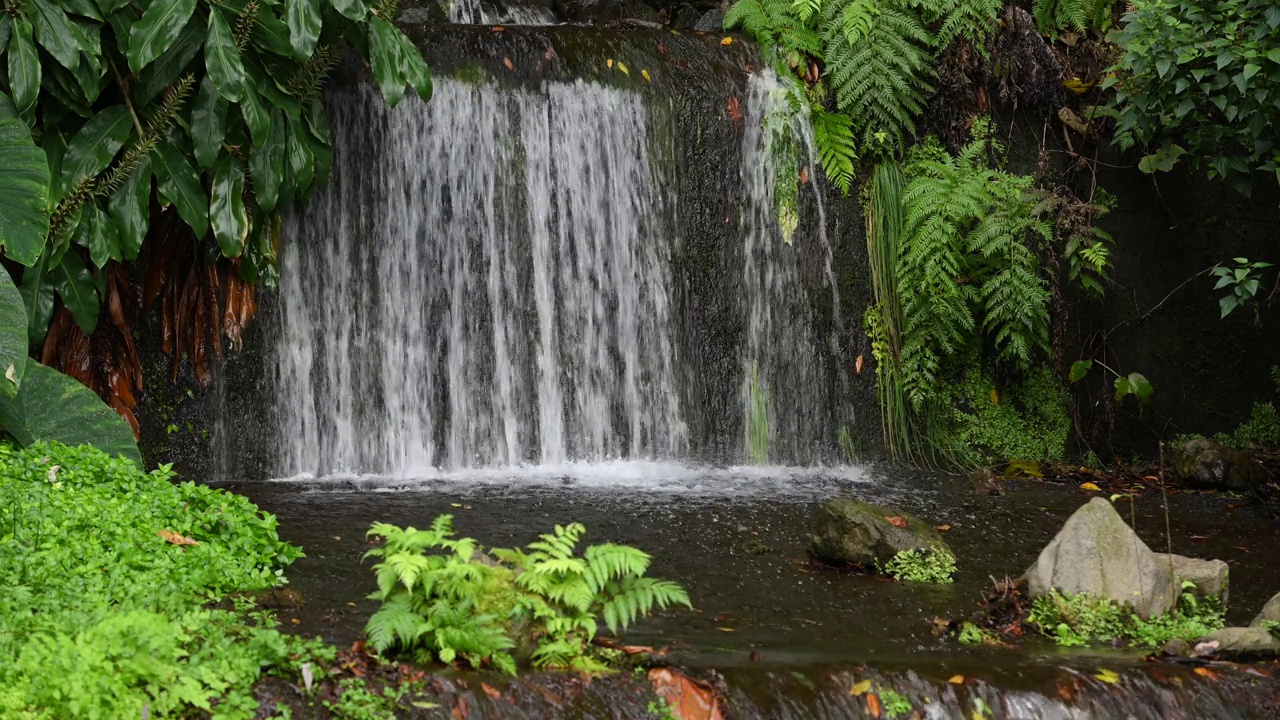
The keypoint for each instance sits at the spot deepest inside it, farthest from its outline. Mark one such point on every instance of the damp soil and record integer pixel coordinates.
(761, 601)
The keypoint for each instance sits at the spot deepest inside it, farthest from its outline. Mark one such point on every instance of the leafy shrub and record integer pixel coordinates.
(936, 565)
(1025, 420)
(1076, 15)
(443, 597)
(894, 704)
(101, 616)
(971, 634)
(1083, 618)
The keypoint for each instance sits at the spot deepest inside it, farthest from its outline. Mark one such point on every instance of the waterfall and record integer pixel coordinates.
(494, 278)
(476, 12)
(485, 280)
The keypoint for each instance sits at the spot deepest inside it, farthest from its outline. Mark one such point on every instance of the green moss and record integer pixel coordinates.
(971, 634)
(990, 421)
(937, 566)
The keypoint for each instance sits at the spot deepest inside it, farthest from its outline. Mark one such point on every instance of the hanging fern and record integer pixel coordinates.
(1053, 16)
(973, 21)
(776, 28)
(837, 149)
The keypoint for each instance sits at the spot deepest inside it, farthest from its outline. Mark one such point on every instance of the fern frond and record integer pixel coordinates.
(395, 624)
(837, 150)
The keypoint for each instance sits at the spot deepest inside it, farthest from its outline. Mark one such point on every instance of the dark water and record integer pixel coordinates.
(789, 636)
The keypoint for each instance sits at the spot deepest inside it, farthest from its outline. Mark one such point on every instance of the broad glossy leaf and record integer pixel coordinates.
(129, 209)
(84, 8)
(266, 164)
(24, 192)
(163, 72)
(304, 21)
(104, 239)
(37, 299)
(59, 244)
(57, 407)
(323, 153)
(254, 113)
(110, 6)
(301, 159)
(227, 213)
(89, 76)
(13, 338)
(1079, 369)
(208, 123)
(55, 32)
(350, 9)
(180, 185)
(95, 145)
(318, 121)
(6, 30)
(271, 34)
(157, 30)
(270, 91)
(384, 56)
(413, 68)
(222, 58)
(78, 291)
(61, 85)
(24, 68)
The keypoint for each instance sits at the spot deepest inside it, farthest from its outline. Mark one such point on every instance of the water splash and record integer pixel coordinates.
(408, 336)
(477, 12)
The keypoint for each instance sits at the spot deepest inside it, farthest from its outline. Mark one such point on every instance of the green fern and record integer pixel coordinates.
(837, 149)
(1078, 15)
(973, 21)
(776, 27)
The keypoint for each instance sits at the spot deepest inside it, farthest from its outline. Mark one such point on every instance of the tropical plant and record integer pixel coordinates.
(443, 598)
(1244, 281)
(1078, 16)
(209, 108)
(1200, 80)
(1079, 619)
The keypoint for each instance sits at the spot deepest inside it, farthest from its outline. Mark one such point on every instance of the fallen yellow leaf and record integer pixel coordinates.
(609, 63)
(725, 629)
(727, 41)
(995, 397)
(1090, 487)
(860, 688)
(645, 74)
(1108, 676)
(956, 680)
(623, 67)
(943, 528)
(873, 705)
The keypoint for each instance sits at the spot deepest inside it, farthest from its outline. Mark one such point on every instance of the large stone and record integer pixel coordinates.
(1209, 576)
(1239, 642)
(852, 531)
(1270, 612)
(1095, 552)
(1203, 463)
(711, 21)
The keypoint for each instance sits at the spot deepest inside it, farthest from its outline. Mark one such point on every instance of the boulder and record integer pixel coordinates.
(711, 21)
(1270, 611)
(985, 482)
(1210, 576)
(1239, 642)
(1095, 552)
(851, 531)
(1206, 464)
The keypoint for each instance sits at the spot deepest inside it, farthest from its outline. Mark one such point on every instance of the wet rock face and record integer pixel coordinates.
(1244, 643)
(1096, 552)
(1204, 463)
(1209, 576)
(851, 531)
(985, 482)
(1270, 612)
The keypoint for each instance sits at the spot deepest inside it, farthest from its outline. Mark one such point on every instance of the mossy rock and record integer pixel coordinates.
(852, 531)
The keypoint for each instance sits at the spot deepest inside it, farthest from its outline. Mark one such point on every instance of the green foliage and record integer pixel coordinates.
(1074, 620)
(779, 27)
(936, 565)
(967, 264)
(971, 634)
(1244, 281)
(757, 425)
(1027, 419)
(1078, 16)
(96, 109)
(660, 710)
(102, 617)
(1200, 80)
(358, 702)
(837, 148)
(1263, 425)
(894, 705)
(443, 598)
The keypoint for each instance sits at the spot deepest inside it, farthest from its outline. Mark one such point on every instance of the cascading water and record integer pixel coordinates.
(476, 12)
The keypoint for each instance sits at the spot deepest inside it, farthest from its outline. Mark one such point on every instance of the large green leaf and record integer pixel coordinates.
(57, 407)
(384, 56)
(24, 192)
(163, 72)
(157, 30)
(129, 208)
(97, 142)
(6, 31)
(37, 300)
(104, 238)
(85, 8)
(271, 34)
(254, 113)
(79, 293)
(208, 123)
(24, 68)
(56, 33)
(413, 68)
(180, 185)
(222, 58)
(266, 164)
(89, 75)
(350, 9)
(302, 162)
(303, 18)
(226, 208)
(13, 338)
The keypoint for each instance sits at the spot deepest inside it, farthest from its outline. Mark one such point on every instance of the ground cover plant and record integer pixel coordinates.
(111, 576)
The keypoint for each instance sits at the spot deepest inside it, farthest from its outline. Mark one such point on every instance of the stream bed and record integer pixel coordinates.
(785, 636)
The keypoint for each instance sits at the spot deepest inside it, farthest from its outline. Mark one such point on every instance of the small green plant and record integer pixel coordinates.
(1079, 619)
(358, 702)
(442, 598)
(1272, 627)
(660, 710)
(1134, 384)
(1244, 281)
(894, 705)
(971, 634)
(936, 565)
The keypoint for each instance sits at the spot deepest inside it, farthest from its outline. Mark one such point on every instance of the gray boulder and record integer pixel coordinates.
(1095, 552)
(711, 21)
(1270, 611)
(1203, 463)
(851, 531)
(1238, 642)
(1210, 576)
